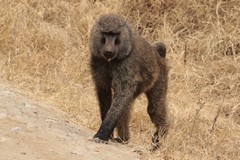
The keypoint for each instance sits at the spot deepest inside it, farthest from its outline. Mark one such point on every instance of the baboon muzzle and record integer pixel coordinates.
(109, 52)
(108, 55)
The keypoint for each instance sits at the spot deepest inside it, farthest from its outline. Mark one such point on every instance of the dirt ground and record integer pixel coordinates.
(32, 130)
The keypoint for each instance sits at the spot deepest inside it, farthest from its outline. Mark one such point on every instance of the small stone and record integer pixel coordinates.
(3, 139)
(16, 129)
(3, 115)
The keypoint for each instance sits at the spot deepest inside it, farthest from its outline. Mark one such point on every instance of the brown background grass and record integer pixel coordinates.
(44, 54)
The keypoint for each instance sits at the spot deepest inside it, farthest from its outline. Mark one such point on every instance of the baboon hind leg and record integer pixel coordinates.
(157, 112)
(123, 128)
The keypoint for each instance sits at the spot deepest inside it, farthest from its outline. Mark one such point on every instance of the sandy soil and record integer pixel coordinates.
(32, 130)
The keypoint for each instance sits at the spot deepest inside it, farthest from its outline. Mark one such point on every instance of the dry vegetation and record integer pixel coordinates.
(44, 54)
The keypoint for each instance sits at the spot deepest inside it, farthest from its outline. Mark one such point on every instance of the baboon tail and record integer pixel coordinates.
(160, 48)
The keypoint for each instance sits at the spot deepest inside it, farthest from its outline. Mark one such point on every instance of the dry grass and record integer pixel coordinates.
(44, 53)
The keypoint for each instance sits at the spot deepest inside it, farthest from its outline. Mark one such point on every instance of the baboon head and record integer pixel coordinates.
(111, 38)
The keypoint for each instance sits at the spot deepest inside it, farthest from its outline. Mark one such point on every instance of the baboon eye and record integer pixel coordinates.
(103, 40)
(117, 41)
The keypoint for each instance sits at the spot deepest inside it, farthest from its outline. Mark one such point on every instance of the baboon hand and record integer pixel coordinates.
(97, 140)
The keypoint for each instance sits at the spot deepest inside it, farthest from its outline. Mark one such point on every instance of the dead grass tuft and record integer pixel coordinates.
(44, 53)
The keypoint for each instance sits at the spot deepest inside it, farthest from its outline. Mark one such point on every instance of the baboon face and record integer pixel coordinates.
(109, 45)
(111, 38)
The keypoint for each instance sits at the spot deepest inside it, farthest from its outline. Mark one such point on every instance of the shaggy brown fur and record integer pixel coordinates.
(125, 65)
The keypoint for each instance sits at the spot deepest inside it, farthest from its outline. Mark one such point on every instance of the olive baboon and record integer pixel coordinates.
(124, 65)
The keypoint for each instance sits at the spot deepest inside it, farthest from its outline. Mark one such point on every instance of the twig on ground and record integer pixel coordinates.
(201, 105)
(217, 115)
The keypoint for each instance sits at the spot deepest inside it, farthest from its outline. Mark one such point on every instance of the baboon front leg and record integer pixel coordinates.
(104, 99)
(102, 81)
(157, 112)
(123, 127)
(123, 97)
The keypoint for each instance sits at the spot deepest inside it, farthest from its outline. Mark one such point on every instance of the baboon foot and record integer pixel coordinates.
(155, 142)
(119, 140)
(154, 147)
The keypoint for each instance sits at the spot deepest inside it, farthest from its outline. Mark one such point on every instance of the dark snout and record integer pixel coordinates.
(109, 53)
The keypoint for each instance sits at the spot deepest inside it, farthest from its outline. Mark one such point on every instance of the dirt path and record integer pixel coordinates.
(36, 131)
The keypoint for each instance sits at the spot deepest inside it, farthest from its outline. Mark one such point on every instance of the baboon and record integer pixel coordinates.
(124, 65)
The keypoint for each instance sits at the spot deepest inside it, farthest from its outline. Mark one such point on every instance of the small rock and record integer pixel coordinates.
(16, 129)
(28, 105)
(3, 139)
(50, 120)
(23, 153)
(3, 115)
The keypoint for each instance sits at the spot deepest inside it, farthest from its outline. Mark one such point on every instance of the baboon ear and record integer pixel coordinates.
(95, 41)
(125, 46)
